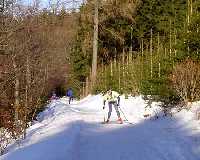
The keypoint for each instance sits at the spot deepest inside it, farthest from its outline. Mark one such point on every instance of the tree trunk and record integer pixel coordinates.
(151, 52)
(28, 79)
(16, 92)
(95, 43)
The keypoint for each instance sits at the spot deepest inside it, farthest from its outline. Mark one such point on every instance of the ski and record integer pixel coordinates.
(129, 122)
(115, 122)
(111, 122)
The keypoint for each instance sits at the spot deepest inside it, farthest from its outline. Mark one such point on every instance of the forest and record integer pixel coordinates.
(145, 47)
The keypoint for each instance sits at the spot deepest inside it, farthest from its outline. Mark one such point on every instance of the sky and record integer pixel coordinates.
(45, 3)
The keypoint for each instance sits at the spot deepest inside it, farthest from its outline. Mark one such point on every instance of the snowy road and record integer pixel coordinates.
(75, 133)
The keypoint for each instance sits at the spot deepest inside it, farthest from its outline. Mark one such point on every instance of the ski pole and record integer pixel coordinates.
(124, 115)
(104, 118)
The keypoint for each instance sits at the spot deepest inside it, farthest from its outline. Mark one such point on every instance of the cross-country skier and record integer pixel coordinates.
(53, 97)
(69, 94)
(113, 99)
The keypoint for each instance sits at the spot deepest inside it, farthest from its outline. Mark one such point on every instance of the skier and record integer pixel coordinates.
(113, 100)
(53, 97)
(69, 94)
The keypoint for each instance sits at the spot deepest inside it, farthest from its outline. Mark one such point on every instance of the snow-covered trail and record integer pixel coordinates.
(143, 141)
(74, 132)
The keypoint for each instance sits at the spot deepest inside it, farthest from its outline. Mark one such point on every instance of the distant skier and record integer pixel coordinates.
(53, 97)
(113, 99)
(69, 94)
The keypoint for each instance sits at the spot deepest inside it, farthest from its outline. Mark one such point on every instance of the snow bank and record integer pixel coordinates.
(5, 139)
(54, 129)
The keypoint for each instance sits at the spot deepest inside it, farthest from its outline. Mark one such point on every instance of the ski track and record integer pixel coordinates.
(162, 139)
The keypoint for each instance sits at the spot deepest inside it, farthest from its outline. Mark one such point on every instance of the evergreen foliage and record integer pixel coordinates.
(131, 58)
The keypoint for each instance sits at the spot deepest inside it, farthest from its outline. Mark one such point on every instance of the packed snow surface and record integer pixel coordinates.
(75, 132)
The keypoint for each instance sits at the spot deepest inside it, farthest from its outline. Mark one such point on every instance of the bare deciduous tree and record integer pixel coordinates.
(186, 80)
